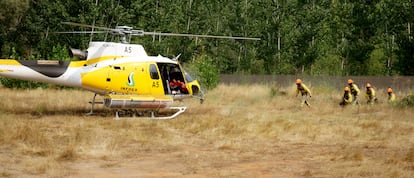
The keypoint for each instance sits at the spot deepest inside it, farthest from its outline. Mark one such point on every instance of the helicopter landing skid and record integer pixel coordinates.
(93, 102)
(138, 115)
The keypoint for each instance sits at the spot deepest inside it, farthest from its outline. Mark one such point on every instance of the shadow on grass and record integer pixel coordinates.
(43, 111)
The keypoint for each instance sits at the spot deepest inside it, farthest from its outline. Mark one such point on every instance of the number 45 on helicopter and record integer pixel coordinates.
(130, 81)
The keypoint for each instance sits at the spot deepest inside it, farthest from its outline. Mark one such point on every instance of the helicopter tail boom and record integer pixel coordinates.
(47, 71)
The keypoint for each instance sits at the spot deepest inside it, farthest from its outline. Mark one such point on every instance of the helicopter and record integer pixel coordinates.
(129, 80)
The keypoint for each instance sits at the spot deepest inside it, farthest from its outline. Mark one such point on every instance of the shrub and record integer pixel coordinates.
(275, 91)
(407, 101)
(21, 84)
(206, 72)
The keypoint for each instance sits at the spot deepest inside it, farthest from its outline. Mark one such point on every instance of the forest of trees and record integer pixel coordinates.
(311, 37)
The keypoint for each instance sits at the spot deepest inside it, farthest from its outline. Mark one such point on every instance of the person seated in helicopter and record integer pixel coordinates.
(178, 87)
(174, 72)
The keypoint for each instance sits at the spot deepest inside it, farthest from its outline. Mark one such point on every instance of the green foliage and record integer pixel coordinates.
(206, 72)
(329, 65)
(376, 64)
(407, 101)
(298, 37)
(21, 84)
(406, 57)
(60, 53)
(14, 54)
(258, 67)
(275, 91)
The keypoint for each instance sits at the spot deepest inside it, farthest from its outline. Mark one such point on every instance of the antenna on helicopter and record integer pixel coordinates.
(124, 31)
(176, 58)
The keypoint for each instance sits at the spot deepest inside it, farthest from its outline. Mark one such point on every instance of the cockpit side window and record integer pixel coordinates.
(154, 72)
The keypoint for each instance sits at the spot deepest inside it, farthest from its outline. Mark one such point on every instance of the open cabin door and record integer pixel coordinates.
(169, 73)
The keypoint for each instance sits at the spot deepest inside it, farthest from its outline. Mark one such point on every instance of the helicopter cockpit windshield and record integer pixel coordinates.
(188, 76)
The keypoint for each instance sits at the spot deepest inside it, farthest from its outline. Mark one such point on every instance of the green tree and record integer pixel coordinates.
(298, 36)
(11, 14)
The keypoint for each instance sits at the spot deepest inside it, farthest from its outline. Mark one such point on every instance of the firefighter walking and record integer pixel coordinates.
(370, 94)
(304, 91)
(354, 91)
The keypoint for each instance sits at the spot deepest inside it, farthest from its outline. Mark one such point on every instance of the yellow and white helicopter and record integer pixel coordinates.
(127, 78)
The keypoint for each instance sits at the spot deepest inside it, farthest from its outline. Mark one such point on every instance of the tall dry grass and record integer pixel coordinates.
(240, 131)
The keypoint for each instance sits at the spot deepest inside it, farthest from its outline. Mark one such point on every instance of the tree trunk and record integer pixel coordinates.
(278, 52)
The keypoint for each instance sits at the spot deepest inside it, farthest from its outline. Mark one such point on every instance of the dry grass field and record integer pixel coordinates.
(240, 131)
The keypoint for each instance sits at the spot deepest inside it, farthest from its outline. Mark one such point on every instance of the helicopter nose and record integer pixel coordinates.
(196, 90)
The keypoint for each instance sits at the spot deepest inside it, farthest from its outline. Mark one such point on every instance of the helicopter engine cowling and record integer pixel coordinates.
(82, 55)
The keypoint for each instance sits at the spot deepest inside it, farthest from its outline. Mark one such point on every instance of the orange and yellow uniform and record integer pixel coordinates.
(347, 98)
(391, 95)
(370, 94)
(304, 91)
(354, 91)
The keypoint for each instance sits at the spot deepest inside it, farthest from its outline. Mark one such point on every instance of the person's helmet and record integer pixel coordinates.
(368, 85)
(389, 90)
(350, 81)
(347, 89)
(298, 81)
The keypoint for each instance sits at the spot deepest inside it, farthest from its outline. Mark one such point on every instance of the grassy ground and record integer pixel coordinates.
(240, 131)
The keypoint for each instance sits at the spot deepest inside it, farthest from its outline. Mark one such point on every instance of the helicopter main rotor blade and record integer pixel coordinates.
(81, 32)
(126, 30)
(89, 26)
(202, 36)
